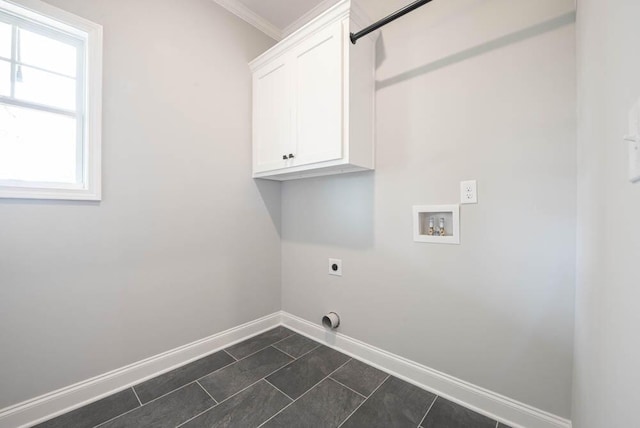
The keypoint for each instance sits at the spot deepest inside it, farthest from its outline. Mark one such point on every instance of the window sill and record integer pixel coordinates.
(49, 194)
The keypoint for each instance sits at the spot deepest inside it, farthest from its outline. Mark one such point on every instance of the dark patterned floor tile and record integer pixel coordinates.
(239, 375)
(396, 404)
(249, 408)
(302, 374)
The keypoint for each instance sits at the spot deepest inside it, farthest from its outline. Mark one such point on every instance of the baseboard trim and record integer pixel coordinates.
(496, 406)
(69, 398)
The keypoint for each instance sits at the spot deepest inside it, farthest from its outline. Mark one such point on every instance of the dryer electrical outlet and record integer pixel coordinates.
(335, 267)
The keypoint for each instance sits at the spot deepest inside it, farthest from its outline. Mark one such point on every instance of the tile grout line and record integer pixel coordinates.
(293, 333)
(285, 394)
(261, 349)
(185, 365)
(186, 384)
(364, 401)
(204, 411)
(293, 401)
(189, 383)
(318, 344)
(228, 398)
(196, 416)
(306, 392)
(231, 396)
(202, 377)
(284, 352)
(311, 350)
(225, 351)
(249, 386)
(145, 404)
(136, 394)
(237, 361)
(115, 417)
(428, 410)
(216, 371)
(243, 389)
(218, 404)
(297, 358)
(207, 392)
(350, 389)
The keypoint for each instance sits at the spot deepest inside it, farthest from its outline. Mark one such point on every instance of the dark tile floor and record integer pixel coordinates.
(275, 379)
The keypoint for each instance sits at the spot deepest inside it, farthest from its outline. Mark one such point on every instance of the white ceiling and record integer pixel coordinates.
(281, 13)
(278, 18)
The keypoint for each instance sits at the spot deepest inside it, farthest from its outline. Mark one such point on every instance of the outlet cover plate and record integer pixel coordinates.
(335, 267)
(469, 192)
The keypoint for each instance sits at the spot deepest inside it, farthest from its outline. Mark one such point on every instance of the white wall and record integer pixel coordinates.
(467, 89)
(185, 244)
(607, 349)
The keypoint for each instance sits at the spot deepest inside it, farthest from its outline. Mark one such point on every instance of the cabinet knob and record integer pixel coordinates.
(284, 157)
(291, 156)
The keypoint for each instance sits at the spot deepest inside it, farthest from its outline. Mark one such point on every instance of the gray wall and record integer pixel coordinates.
(466, 90)
(185, 244)
(607, 349)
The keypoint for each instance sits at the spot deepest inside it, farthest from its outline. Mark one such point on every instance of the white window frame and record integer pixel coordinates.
(89, 105)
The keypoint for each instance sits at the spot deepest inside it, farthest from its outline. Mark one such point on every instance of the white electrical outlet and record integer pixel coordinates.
(335, 267)
(469, 192)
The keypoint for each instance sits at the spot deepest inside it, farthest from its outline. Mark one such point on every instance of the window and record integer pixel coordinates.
(50, 103)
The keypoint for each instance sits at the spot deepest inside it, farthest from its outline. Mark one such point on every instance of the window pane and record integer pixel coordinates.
(46, 88)
(47, 53)
(5, 40)
(5, 78)
(37, 146)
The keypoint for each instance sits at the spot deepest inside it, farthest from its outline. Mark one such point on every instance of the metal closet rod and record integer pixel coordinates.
(384, 21)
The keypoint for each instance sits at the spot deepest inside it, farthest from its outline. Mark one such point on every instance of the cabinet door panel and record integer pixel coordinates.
(318, 97)
(272, 117)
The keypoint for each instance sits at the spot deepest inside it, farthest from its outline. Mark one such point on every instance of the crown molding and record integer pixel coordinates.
(307, 17)
(337, 12)
(249, 16)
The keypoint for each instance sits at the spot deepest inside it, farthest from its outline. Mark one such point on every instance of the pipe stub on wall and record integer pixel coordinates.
(331, 320)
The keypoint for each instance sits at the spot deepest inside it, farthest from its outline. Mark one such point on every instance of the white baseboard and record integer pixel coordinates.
(66, 399)
(491, 404)
(496, 406)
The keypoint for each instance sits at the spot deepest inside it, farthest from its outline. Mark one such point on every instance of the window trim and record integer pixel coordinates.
(91, 107)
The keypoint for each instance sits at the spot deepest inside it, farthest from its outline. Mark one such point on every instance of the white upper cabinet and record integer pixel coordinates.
(313, 100)
(272, 99)
(317, 96)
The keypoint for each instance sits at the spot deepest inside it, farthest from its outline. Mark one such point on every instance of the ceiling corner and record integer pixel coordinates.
(246, 14)
(323, 6)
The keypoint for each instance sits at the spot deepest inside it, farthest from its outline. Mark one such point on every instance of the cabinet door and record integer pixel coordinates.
(317, 66)
(272, 116)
